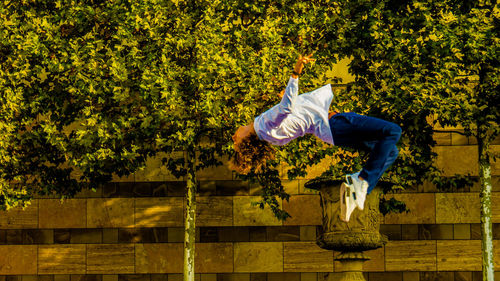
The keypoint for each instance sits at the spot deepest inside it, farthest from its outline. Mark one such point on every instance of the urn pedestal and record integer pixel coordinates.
(361, 233)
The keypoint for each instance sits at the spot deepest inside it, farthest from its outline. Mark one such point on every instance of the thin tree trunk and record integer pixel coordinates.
(486, 228)
(189, 222)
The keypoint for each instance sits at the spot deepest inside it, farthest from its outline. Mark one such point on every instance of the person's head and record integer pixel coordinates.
(250, 151)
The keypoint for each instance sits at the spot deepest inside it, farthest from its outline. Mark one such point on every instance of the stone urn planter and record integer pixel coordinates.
(351, 238)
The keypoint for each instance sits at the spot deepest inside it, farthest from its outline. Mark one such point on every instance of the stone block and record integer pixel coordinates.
(134, 277)
(159, 258)
(461, 231)
(14, 236)
(18, 259)
(283, 233)
(376, 261)
(258, 234)
(457, 208)
(174, 188)
(109, 277)
(214, 257)
(110, 212)
(308, 233)
(286, 276)
(233, 234)
(176, 277)
(233, 277)
(206, 188)
(208, 277)
(435, 231)
(86, 236)
(136, 235)
(110, 235)
(459, 255)
(410, 256)
(106, 258)
(23, 278)
(258, 257)
(175, 234)
(385, 276)
(38, 236)
(421, 205)
(159, 277)
(245, 214)
(260, 277)
(85, 277)
(442, 138)
(495, 207)
(45, 277)
(160, 235)
(17, 218)
(306, 257)
(131, 189)
(457, 159)
(62, 236)
(159, 212)
(424, 232)
(496, 254)
(214, 211)
(475, 231)
(411, 276)
(232, 188)
(409, 231)
(70, 213)
(463, 276)
(208, 234)
(304, 210)
(62, 277)
(436, 276)
(309, 276)
(392, 231)
(61, 259)
(458, 139)
(291, 186)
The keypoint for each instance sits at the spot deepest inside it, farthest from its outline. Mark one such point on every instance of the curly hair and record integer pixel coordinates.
(251, 152)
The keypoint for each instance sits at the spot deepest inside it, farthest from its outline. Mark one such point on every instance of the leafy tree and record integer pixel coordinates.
(93, 88)
(416, 59)
(90, 89)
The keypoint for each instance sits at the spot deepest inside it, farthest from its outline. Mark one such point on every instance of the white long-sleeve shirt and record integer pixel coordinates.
(296, 115)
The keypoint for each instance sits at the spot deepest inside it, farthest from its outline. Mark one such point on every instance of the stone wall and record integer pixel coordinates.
(131, 230)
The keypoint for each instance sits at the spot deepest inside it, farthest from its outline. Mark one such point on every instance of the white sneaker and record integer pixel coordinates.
(360, 188)
(347, 202)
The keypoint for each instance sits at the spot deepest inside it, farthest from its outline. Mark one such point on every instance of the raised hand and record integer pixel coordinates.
(299, 65)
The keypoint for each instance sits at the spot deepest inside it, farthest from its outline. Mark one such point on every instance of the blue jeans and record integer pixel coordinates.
(374, 135)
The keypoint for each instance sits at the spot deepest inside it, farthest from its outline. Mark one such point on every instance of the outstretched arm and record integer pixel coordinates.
(297, 70)
(290, 93)
(292, 88)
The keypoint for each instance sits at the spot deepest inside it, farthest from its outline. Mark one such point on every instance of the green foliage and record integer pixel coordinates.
(92, 88)
(392, 206)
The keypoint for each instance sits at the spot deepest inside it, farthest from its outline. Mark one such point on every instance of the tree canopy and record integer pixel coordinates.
(93, 88)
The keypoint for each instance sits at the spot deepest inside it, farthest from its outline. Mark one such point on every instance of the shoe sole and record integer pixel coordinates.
(343, 202)
(349, 181)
